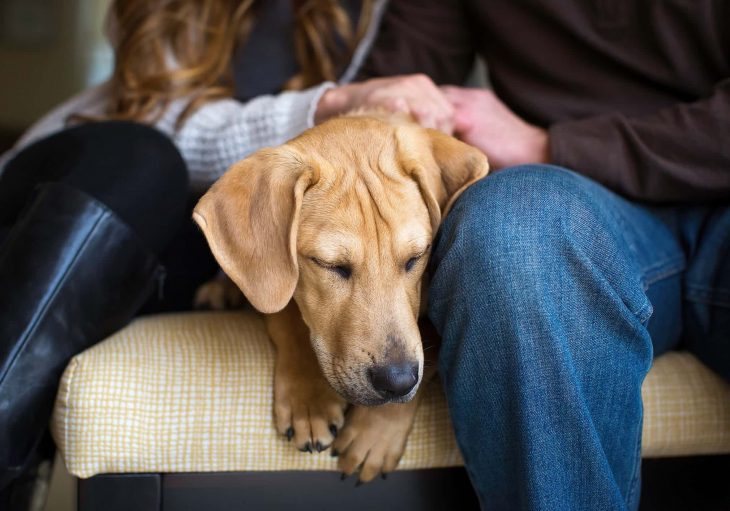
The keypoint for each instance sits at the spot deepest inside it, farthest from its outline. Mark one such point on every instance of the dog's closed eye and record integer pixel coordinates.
(342, 270)
(413, 260)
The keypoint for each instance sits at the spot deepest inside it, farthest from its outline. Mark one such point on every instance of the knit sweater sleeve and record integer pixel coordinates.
(222, 132)
(214, 137)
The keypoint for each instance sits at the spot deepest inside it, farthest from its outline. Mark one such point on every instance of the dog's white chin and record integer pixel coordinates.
(409, 396)
(375, 399)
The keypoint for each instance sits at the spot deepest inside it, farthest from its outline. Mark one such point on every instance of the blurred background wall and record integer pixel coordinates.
(49, 50)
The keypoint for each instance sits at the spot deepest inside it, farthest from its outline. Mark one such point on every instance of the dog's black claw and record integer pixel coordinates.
(333, 430)
(289, 434)
(318, 445)
(384, 476)
(358, 483)
(343, 476)
(334, 453)
(307, 447)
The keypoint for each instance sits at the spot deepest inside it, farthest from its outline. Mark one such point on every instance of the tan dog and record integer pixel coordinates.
(329, 235)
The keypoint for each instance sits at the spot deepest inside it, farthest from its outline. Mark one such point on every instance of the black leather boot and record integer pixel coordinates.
(71, 273)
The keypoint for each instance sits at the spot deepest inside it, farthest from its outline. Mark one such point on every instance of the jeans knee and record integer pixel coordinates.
(523, 196)
(523, 243)
(516, 234)
(504, 223)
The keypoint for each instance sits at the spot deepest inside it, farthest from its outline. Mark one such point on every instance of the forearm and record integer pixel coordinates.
(681, 153)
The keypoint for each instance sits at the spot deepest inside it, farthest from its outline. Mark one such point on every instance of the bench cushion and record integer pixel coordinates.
(193, 393)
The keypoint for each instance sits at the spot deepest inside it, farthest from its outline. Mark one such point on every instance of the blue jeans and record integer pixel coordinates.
(552, 296)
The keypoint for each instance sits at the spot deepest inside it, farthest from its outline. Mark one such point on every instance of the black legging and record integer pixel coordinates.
(133, 169)
(137, 172)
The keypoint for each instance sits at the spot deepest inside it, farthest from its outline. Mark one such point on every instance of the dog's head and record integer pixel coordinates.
(341, 220)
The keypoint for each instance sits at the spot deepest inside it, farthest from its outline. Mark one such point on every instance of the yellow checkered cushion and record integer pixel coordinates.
(686, 408)
(192, 393)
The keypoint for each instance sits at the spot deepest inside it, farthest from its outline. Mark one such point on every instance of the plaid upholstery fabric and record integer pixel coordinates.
(192, 393)
(686, 408)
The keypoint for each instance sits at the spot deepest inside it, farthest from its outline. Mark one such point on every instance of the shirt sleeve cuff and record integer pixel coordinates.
(301, 108)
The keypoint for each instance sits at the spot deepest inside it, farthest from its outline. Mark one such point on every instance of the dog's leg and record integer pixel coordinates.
(219, 293)
(374, 438)
(305, 406)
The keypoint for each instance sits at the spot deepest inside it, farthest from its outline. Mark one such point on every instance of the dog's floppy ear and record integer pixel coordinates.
(442, 166)
(250, 218)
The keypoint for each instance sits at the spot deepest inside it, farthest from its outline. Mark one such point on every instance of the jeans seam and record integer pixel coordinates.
(670, 268)
(637, 466)
(636, 474)
(644, 312)
(707, 296)
(467, 465)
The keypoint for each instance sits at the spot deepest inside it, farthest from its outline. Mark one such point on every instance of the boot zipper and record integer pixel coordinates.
(161, 274)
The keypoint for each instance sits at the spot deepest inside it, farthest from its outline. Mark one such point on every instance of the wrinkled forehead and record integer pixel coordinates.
(358, 216)
(335, 242)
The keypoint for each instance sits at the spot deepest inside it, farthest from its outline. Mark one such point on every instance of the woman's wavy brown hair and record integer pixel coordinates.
(171, 49)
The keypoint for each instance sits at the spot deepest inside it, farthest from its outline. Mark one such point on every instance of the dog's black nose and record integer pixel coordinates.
(394, 380)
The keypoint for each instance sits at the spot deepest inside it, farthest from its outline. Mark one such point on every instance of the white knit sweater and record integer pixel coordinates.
(220, 132)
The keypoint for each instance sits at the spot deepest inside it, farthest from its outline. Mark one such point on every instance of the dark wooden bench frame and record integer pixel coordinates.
(404, 490)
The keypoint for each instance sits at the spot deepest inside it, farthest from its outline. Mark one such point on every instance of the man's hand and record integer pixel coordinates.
(415, 95)
(482, 120)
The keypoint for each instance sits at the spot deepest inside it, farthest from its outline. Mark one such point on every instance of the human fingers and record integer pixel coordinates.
(438, 110)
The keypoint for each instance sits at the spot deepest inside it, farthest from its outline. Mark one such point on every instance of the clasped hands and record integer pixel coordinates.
(475, 116)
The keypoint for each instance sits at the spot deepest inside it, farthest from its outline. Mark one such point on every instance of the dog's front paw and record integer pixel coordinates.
(219, 293)
(306, 409)
(373, 439)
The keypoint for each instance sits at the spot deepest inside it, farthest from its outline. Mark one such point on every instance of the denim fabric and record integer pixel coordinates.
(552, 296)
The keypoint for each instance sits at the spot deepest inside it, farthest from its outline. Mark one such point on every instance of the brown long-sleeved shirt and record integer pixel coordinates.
(635, 93)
